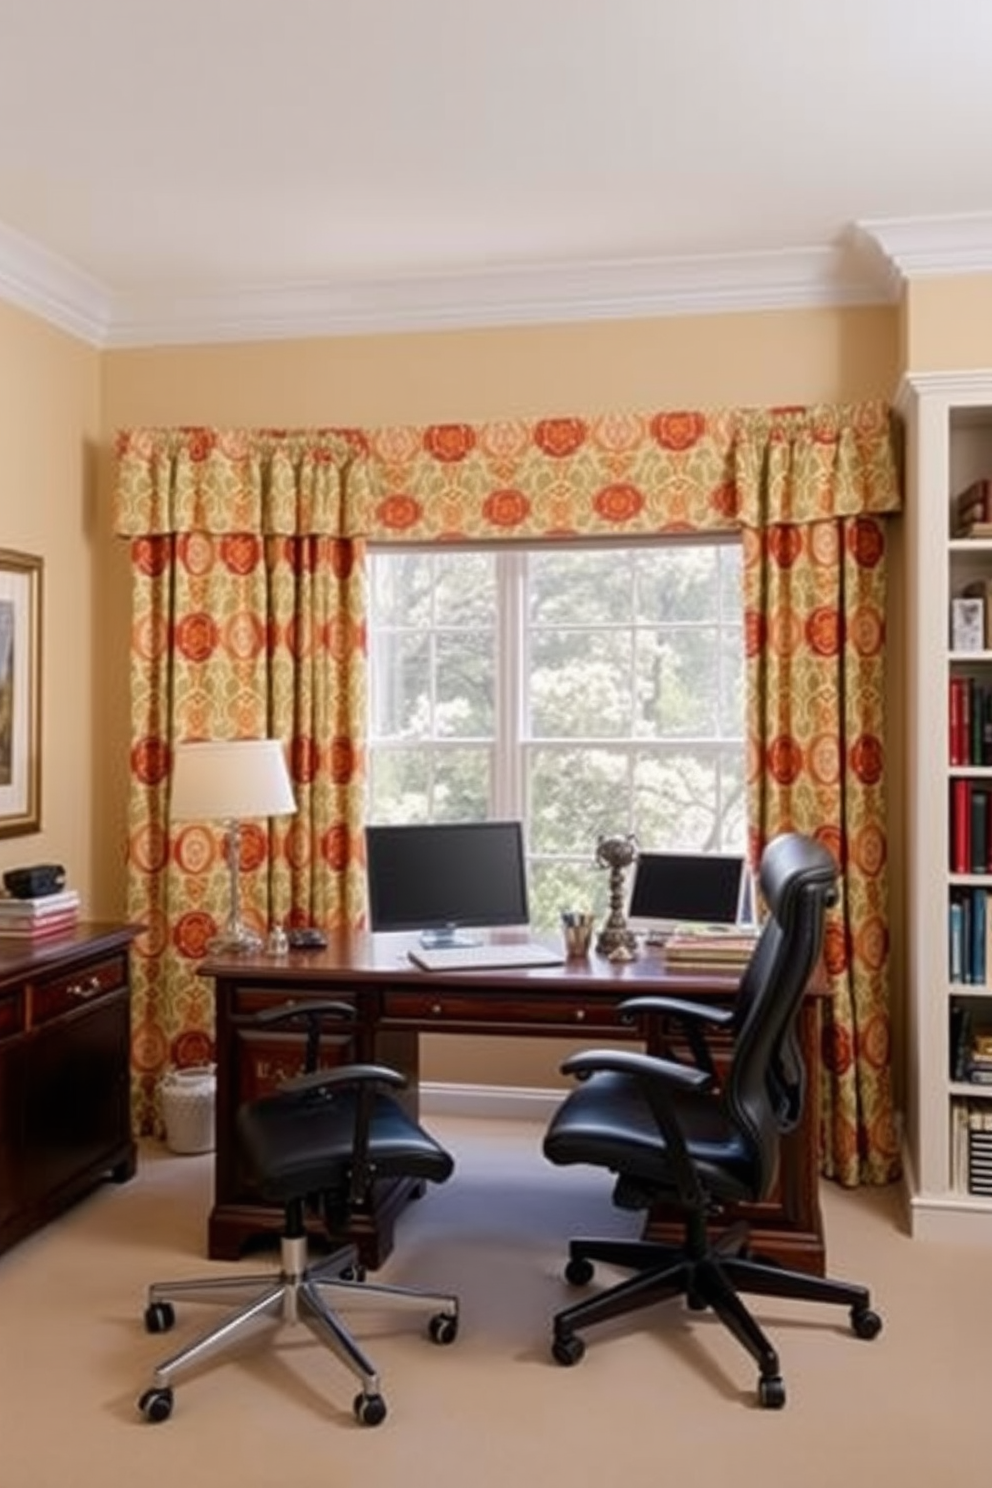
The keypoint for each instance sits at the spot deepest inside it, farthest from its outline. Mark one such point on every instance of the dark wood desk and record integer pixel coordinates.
(394, 1002)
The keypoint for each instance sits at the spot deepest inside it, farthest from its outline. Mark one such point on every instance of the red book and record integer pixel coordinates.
(961, 827)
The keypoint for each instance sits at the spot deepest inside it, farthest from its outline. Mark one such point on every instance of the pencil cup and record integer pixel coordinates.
(577, 930)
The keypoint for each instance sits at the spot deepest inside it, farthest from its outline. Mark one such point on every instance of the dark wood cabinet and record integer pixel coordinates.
(65, 1117)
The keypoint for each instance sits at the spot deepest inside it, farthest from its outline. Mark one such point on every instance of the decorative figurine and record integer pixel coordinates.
(616, 941)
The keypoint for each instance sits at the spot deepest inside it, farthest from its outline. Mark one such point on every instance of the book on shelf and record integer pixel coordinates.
(972, 509)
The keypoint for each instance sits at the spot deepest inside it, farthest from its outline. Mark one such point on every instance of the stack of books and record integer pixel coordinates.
(35, 919)
(722, 947)
(972, 512)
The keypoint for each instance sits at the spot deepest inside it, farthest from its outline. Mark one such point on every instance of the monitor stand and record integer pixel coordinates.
(447, 935)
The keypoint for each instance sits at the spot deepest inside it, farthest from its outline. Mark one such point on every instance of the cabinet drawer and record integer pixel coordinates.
(454, 1007)
(11, 1012)
(58, 994)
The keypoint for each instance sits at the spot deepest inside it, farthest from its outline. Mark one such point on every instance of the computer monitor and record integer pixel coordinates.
(441, 877)
(677, 888)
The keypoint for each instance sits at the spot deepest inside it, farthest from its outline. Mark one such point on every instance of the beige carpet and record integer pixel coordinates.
(669, 1399)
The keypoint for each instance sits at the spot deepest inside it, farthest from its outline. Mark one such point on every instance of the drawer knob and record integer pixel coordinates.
(436, 1008)
(82, 990)
(580, 1014)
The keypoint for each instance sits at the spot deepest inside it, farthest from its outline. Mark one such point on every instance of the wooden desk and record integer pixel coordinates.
(394, 1002)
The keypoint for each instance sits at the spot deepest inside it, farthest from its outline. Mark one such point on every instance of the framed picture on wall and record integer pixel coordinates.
(20, 693)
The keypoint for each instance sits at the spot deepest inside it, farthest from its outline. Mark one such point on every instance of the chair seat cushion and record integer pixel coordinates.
(298, 1145)
(606, 1122)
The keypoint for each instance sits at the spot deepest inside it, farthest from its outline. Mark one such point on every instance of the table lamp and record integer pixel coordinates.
(230, 781)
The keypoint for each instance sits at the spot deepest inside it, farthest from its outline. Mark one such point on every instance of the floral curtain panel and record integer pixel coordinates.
(806, 486)
(247, 622)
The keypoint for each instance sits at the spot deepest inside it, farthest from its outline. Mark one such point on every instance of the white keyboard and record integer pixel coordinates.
(485, 957)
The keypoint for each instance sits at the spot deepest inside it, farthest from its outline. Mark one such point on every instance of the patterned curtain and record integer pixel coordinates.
(814, 587)
(247, 622)
(808, 488)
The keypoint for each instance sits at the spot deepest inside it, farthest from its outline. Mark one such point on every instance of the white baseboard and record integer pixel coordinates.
(499, 1102)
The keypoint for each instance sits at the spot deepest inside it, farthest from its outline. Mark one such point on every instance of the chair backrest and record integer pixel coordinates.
(764, 1086)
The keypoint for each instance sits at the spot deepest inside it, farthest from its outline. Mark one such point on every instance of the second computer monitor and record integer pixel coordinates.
(674, 888)
(439, 877)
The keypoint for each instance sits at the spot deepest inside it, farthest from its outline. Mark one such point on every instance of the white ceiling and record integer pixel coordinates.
(204, 169)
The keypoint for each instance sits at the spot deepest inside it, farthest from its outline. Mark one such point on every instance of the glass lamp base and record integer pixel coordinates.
(237, 940)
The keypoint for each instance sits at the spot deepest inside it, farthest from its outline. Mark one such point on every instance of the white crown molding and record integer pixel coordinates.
(928, 247)
(535, 295)
(54, 290)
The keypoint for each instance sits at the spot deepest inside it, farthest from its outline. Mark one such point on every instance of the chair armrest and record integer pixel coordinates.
(644, 1067)
(343, 1075)
(283, 1011)
(309, 1013)
(679, 1007)
(692, 1017)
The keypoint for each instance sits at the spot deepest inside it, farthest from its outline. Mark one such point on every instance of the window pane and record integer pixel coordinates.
(401, 589)
(465, 679)
(400, 694)
(465, 590)
(575, 587)
(575, 795)
(462, 784)
(679, 800)
(580, 684)
(554, 886)
(399, 785)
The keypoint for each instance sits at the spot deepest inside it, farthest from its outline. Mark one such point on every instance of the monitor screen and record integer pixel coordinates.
(439, 876)
(677, 888)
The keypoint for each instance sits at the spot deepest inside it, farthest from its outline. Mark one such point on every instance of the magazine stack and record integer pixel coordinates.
(38, 919)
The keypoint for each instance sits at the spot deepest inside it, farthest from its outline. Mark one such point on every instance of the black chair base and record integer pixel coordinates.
(297, 1293)
(712, 1280)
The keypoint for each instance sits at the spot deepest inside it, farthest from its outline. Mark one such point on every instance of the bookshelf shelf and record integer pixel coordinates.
(948, 1126)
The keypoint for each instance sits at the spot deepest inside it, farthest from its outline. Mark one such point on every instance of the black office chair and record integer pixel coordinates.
(319, 1142)
(676, 1132)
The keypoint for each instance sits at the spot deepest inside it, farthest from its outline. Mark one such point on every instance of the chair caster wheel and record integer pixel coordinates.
(370, 1410)
(159, 1317)
(579, 1271)
(443, 1327)
(866, 1324)
(567, 1349)
(771, 1392)
(354, 1272)
(156, 1405)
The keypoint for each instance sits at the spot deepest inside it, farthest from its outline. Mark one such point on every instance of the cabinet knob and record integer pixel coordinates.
(82, 990)
(580, 1014)
(436, 1008)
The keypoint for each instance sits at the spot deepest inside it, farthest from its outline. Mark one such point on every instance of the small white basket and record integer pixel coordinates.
(189, 1099)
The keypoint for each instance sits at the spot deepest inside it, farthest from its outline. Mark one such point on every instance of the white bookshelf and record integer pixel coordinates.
(948, 419)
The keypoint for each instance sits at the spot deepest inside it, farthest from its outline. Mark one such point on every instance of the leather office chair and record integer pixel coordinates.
(678, 1132)
(318, 1142)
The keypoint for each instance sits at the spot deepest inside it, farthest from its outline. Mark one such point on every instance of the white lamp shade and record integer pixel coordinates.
(230, 780)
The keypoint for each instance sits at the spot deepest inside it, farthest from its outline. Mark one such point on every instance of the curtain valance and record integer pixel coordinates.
(627, 474)
(269, 482)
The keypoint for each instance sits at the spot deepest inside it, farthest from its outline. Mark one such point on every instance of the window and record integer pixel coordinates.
(583, 689)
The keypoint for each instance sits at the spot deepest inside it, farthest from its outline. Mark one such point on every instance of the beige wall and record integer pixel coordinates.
(49, 437)
(949, 324)
(709, 361)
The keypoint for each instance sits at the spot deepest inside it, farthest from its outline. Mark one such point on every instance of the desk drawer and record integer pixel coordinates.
(498, 1009)
(53, 996)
